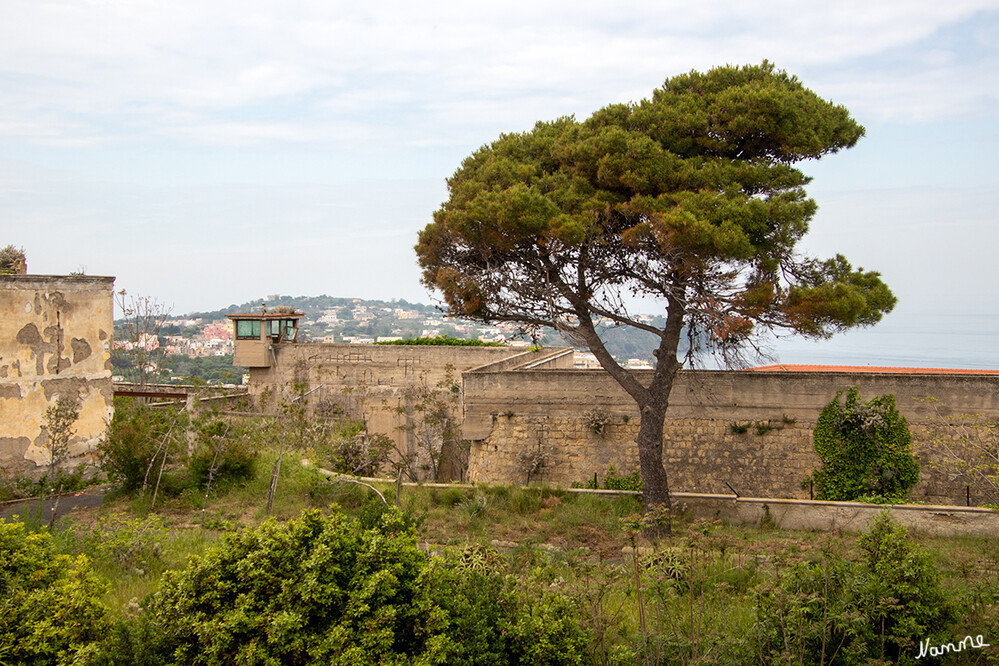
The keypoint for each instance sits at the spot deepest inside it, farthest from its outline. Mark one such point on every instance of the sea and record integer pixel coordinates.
(967, 341)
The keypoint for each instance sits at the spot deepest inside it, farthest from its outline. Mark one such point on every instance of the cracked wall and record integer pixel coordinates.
(55, 340)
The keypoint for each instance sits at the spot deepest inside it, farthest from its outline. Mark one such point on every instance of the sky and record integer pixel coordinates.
(209, 153)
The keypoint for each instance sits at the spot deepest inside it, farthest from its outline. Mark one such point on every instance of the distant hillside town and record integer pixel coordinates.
(199, 345)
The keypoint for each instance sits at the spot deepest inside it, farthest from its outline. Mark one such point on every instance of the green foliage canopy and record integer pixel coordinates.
(322, 590)
(50, 603)
(690, 195)
(864, 448)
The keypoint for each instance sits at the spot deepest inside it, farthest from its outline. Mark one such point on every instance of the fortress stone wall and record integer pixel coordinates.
(369, 381)
(544, 411)
(519, 407)
(55, 340)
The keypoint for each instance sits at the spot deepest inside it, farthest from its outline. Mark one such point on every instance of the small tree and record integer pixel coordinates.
(338, 439)
(970, 446)
(137, 350)
(430, 413)
(864, 448)
(59, 421)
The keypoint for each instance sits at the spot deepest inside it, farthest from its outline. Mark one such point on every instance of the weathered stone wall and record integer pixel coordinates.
(515, 418)
(371, 381)
(526, 414)
(55, 340)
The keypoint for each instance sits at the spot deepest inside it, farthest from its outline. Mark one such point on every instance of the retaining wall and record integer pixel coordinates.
(516, 417)
(377, 383)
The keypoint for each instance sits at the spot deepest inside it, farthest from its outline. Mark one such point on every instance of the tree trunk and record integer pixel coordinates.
(655, 495)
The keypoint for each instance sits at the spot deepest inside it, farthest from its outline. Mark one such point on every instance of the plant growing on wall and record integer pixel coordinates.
(534, 462)
(864, 448)
(12, 260)
(596, 420)
(59, 421)
(689, 199)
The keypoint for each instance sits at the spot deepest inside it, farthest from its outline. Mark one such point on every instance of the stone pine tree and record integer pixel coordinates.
(690, 198)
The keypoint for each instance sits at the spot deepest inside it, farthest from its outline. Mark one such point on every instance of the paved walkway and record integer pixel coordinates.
(28, 508)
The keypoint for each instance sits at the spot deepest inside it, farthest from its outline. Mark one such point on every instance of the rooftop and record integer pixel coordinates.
(790, 367)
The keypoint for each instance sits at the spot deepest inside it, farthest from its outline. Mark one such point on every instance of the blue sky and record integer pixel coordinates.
(211, 153)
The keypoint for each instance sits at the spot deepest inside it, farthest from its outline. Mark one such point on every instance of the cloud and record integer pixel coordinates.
(87, 71)
(125, 124)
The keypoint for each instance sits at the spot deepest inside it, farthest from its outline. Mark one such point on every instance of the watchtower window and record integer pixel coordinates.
(247, 329)
(282, 330)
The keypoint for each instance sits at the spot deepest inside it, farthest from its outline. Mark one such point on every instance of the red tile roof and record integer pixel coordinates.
(791, 367)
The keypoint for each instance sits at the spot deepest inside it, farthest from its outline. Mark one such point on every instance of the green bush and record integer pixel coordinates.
(131, 642)
(312, 590)
(138, 434)
(324, 590)
(50, 603)
(223, 455)
(840, 612)
(864, 448)
(494, 618)
(612, 481)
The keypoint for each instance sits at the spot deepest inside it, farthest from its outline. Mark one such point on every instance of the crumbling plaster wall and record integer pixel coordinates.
(55, 340)
(511, 414)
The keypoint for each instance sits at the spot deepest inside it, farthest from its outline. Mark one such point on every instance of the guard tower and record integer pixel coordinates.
(257, 334)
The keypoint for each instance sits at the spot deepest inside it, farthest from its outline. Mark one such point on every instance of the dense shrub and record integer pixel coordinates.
(223, 454)
(323, 590)
(313, 590)
(131, 642)
(864, 448)
(50, 603)
(494, 618)
(136, 436)
(840, 612)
